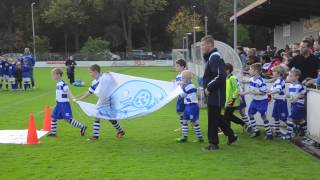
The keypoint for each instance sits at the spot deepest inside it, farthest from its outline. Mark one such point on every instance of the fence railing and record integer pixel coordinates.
(105, 56)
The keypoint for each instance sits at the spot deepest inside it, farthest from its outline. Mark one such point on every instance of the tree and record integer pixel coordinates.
(124, 23)
(243, 35)
(95, 45)
(134, 12)
(149, 8)
(226, 11)
(15, 23)
(182, 23)
(69, 15)
(42, 44)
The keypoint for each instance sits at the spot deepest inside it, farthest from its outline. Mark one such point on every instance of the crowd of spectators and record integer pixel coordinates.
(304, 55)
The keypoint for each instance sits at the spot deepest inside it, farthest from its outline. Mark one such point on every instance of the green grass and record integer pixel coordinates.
(148, 151)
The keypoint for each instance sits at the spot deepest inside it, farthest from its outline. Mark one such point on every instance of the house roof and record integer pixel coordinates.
(276, 12)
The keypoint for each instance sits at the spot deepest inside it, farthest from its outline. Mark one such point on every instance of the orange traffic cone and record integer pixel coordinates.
(32, 132)
(46, 126)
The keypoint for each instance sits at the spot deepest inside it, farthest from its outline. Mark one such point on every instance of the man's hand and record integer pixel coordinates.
(231, 102)
(256, 93)
(243, 93)
(271, 93)
(292, 99)
(207, 92)
(309, 82)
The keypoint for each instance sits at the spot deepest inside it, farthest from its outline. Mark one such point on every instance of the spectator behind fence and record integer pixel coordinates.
(276, 61)
(307, 63)
(310, 39)
(251, 59)
(316, 46)
(269, 52)
(295, 49)
(31, 63)
(242, 55)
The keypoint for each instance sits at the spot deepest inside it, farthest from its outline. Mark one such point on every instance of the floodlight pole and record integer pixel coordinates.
(194, 24)
(33, 31)
(235, 25)
(206, 25)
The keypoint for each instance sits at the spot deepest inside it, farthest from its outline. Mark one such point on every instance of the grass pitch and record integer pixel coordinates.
(148, 151)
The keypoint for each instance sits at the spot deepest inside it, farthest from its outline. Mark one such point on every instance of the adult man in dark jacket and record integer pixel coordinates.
(307, 63)
(215, 91)
(70, 63)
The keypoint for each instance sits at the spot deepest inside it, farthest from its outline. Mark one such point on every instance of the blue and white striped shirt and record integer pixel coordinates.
(179, 78)
(279, 86)
(189, 93)
(297, 90)
(258, 85)
(94, 85)
(62, 90)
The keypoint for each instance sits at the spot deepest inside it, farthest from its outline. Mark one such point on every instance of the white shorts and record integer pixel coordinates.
(26, 80)
(5, 77)
(12, 79)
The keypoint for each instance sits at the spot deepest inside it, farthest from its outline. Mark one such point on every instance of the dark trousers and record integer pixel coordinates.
(32, 78)
(230, 117)
(19, 83)
(71, 77)
(215, 120)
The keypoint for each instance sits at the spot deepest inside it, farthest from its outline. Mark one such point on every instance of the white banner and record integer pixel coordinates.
(17, 136)
(126, 97)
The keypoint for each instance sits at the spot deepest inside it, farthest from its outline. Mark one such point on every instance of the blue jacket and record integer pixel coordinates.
(5, 68)
(30, 58)
(215, 78)
(11, 70)
(1, 68)
(26, 71)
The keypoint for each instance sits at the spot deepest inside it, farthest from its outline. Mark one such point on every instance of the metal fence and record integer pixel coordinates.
(108, 56)
(197, 64)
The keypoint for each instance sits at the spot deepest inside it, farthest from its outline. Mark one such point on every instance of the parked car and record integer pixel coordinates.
(138, 54)
(105, 56)
(111, 56)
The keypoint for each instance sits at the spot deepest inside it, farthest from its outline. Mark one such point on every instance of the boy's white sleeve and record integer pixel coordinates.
(303, 90)
(263, 87)
(183, 94)
(277, 88)
(66, 88)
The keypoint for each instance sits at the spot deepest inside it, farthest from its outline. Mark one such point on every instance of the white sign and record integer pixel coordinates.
(107, 63)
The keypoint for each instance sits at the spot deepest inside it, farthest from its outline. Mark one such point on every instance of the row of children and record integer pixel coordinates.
(188, 109)
(15, 73)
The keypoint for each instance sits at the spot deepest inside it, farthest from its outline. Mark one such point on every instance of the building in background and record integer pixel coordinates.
(291, 20)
